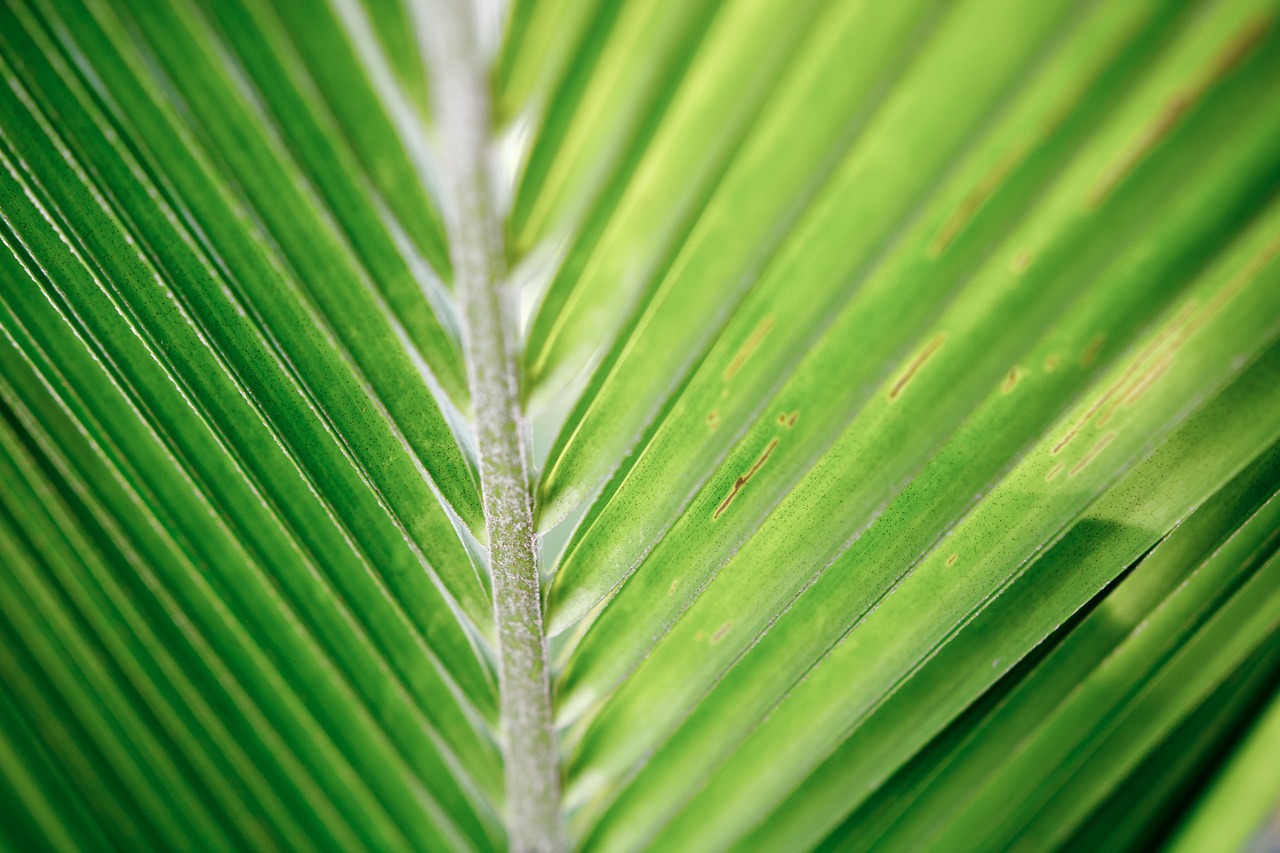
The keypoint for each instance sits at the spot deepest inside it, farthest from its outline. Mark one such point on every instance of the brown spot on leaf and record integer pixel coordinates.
(745, 478)
(951, 561)
(713, 419)
(1020, 262)
(1054, 471)
(1051, 364)
(916, 363)
(788, 420)
(720, 632)
(1010, 380)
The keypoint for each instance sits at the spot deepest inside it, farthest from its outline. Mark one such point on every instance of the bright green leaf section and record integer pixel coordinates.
(1002, 290)
(631, 57)
(751, 593)
(847, 354)
(660, 184)
(720, 242)
(543, 39)
(392, 23)
(942, 594)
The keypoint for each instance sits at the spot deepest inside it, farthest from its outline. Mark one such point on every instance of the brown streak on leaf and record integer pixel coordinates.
(748, 347)
(951, 561)
(1183, 316)
(742, 480)
(1092, 349)
(713, 419)
(1143, 381)
(916, 364)
(974, 200)
(1237, 283)
(1093, 452)
(1011, 380)
(1240, 46)
(1051, 364)
(720, 632)
(1189, 322)
(1054, 471)
(1161, 127)
(1179, 105)
(1144, 385)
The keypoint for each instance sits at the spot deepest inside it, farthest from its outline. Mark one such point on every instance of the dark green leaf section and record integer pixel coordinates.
(242, 701)
(259, 564)
(303, 121)
(1190, 645)
(1143, 811)
(1241, 804)
(214, 393)
(254, 307)
(209, 87)
(383, 132)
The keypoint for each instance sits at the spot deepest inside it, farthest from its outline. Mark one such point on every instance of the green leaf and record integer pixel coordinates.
(761, 425)
(1239, 804)
(937, 781)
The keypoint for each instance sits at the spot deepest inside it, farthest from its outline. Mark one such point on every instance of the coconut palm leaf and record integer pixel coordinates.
(759, 425)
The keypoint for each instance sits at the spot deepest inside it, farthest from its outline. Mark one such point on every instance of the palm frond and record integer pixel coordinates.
(903, 387)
